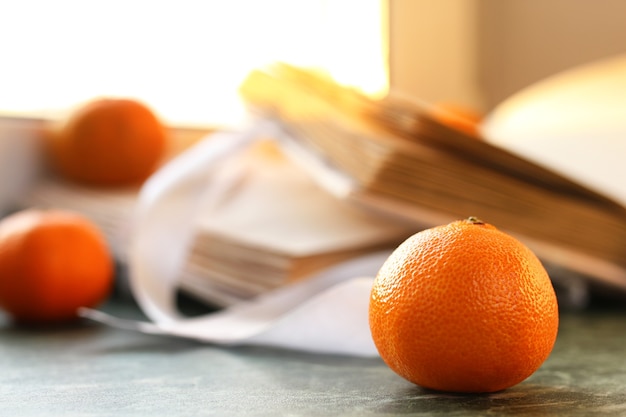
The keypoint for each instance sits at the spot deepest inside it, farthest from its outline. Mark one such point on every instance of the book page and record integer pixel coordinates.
(279, 208)
(572, 122)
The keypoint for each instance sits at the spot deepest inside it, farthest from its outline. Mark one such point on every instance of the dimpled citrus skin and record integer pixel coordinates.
(463, 308)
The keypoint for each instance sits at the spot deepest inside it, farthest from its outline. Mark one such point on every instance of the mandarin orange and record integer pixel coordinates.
(458, 117)
(463, 307)
(109, 142)
(51, 263)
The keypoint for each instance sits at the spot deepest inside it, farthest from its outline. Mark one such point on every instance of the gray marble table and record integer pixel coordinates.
(92, 370)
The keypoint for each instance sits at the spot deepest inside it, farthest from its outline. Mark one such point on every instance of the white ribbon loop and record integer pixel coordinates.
(326, 313)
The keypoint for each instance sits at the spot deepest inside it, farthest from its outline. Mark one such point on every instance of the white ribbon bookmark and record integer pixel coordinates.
(326, 313)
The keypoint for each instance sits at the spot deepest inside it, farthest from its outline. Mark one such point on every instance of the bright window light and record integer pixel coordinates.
(185, 58)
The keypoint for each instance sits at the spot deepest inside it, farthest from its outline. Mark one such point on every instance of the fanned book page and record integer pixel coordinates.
(404, 160)
(276, 225)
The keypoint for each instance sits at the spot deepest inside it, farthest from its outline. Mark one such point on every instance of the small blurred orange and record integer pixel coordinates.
(109, 142)
(459, 117)
(52, 263)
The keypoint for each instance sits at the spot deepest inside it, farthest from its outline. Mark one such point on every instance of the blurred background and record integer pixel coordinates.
(479, 52)
(186, 57)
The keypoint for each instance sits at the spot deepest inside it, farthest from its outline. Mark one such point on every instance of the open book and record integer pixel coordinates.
(275, 225)
(400, 159)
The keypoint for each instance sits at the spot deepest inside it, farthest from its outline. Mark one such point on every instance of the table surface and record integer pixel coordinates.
(92, 370)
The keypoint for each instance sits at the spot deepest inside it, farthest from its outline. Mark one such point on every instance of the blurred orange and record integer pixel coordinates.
(459, 117)
(52, 263)
(109, 142)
